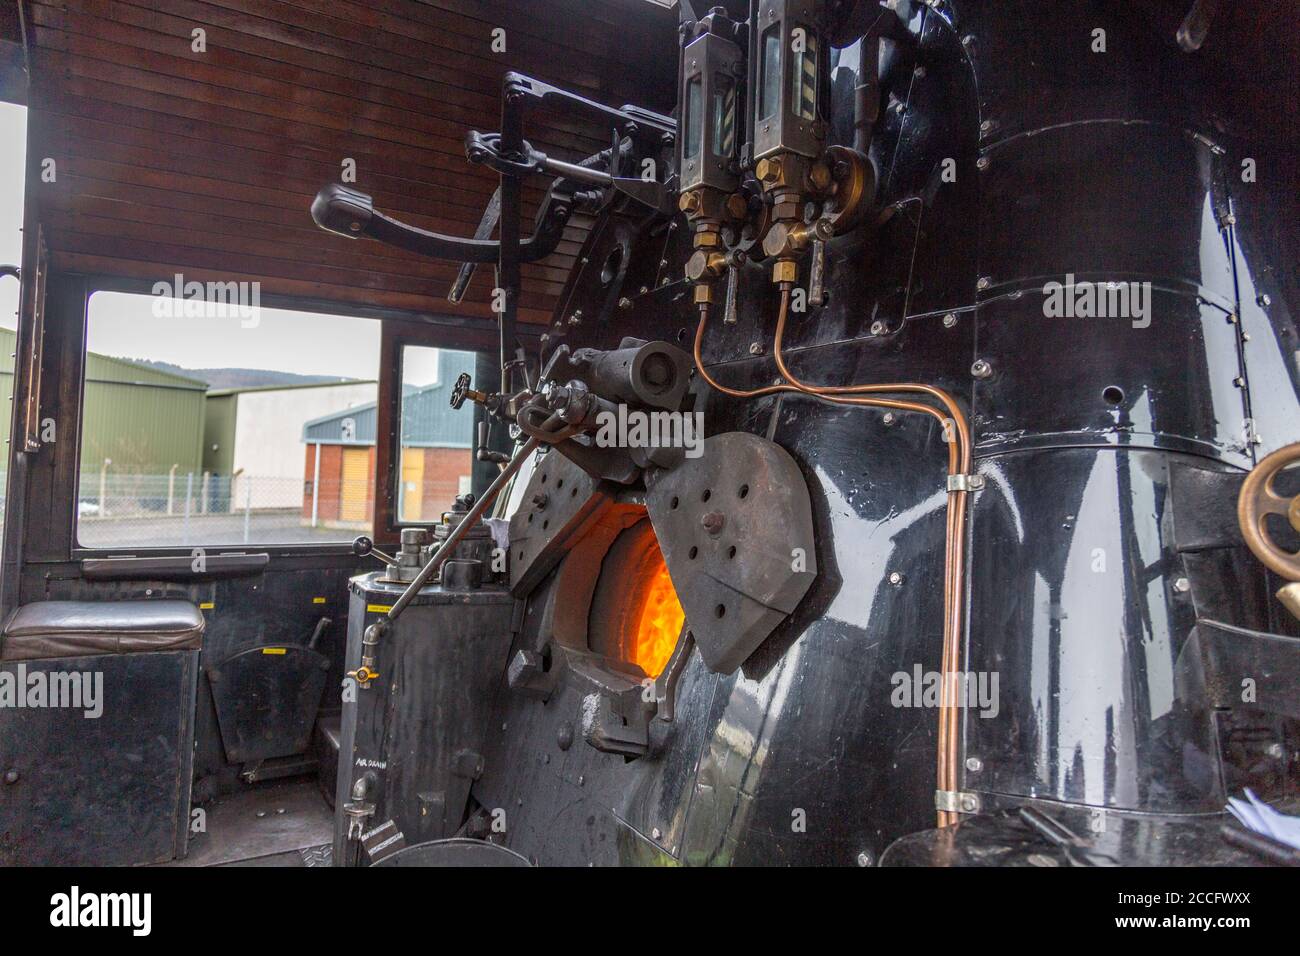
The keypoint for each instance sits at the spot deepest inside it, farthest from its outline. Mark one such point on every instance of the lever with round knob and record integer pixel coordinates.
(363, 546)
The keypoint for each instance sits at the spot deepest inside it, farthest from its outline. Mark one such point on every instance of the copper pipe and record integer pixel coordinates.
(959, 457)
(954, 560)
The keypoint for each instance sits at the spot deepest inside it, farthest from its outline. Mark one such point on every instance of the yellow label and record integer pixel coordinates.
(273, 650)
(379, 608)
(317, 600)
(207, 606)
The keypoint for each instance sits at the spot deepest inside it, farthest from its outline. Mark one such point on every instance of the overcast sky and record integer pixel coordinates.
(13, 146)
(309, 344)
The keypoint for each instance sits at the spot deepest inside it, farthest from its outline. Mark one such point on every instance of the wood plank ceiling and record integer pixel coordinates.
(171, 160)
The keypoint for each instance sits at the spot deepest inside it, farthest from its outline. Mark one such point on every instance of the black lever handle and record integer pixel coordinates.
(363, 546)
(350, 212)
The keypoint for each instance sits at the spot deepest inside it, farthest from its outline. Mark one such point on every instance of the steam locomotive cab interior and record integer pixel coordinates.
(780, 432)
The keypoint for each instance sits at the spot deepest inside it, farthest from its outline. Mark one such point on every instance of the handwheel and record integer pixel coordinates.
(1258, 500)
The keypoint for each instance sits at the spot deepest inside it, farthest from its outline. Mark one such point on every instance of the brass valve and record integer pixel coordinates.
(704, 265)
(461, 391)
(786, 239)
(363, 675)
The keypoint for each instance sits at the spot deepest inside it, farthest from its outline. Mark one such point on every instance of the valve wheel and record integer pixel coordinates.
(1258, 500)
(460, 391)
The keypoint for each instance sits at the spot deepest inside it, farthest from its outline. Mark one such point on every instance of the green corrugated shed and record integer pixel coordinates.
(143, 419)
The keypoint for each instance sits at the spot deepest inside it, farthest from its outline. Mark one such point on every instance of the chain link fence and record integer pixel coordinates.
(187, 509)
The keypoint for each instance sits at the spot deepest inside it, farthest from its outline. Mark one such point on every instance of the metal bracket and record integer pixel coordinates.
(957, 801)
(965, 482)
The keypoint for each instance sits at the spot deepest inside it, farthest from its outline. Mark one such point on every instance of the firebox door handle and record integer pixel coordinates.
(350, 212)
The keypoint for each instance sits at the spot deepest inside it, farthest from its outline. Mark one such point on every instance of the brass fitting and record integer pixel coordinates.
(363, 675)
(788, 239)
(820, 177)
(785, 270)
(769, 171)
(702, 265)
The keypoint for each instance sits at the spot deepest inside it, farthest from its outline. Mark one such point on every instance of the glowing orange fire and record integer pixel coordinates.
(659, 622)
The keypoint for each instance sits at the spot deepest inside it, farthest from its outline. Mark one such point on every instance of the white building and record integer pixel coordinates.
(253, 439)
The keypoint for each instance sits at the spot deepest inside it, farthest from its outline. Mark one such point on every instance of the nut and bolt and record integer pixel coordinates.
(974, 764)
(625, 303)
(982, 163)
(1182, 585)
(877, 328)
(755, 348)
(889, 418)
(655, 834)
(896, 578)
(1264, 300)
(949, 320)
(768, 170)
(981, 369)
(713, 522)
(983, 283)
(969, 803)
(864, 859)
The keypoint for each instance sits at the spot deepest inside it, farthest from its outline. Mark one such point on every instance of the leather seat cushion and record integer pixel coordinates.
(80, 628)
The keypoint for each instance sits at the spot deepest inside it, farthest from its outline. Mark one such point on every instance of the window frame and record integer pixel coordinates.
(394, 340)
(468, 333)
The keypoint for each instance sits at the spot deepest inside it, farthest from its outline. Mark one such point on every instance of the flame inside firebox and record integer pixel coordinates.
(658, 621)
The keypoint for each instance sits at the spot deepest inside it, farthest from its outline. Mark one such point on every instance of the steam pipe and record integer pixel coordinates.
(866, 93)
(954, 558)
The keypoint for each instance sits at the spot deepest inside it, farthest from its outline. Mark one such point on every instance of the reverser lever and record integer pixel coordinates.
(350, 212)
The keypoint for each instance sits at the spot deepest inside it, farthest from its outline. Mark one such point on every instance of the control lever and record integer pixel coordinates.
(371, 636)
(350, 212)
(817, 274)
(729, 304)
(363, 546)
(491, 216)
(483, 452)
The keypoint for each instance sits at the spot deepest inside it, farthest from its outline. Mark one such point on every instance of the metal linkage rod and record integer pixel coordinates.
(436, 561)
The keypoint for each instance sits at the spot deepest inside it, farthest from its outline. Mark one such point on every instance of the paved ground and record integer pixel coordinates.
(160, 531)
